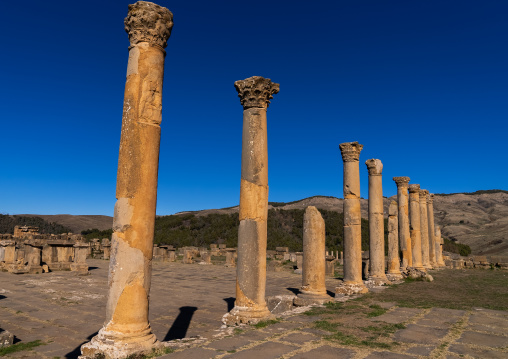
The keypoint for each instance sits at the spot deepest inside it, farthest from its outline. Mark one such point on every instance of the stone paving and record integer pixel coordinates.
(187, 304)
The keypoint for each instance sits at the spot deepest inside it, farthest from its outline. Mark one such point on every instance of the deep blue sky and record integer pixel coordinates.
(423, 85)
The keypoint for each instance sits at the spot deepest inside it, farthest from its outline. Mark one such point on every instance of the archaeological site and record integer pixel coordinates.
(323, 277)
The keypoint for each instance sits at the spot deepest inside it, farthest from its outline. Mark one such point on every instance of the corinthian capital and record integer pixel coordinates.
(350, 151)
(401, 181)
(430, 198)
(375, 167)
(148, 22)
(256, 91)
(414, 188)
(423, 195)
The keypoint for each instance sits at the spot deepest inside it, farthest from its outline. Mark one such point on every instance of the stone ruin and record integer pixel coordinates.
(30, 252)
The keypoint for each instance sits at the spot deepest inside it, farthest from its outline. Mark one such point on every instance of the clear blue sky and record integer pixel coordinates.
(423, 85)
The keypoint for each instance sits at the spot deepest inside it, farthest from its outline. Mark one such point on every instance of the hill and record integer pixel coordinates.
(76, 223)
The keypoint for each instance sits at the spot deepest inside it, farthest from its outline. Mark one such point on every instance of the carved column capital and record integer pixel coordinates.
(350, 151)
(375, 167)
(430, 198)
(256, 91)
(148, 22)
(401, 181)
(423, 195)
(414, 188)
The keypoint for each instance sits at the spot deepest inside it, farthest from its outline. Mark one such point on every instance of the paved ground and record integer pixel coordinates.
(187, 301)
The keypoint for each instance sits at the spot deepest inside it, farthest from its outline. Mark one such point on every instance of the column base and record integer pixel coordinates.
(247, 315)
(378, 280)
(304, 299)
(395, 276)
(111, 345)
(81, 268)
(347, 289)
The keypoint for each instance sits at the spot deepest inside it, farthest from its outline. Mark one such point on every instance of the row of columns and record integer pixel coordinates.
(126, 329)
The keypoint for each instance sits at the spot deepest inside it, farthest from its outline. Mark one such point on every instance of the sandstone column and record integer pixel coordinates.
(415, 226)
(393, 272)
(424, 228)
(376, 223)
(126, 329)
(431, 230)
(250, 305)
(404, 235)
(439, 247)
(313, 290)
(352, 283)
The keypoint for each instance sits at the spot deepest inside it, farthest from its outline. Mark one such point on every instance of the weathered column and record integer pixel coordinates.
(439, 247)
(376, 223)
(352, 283)
(404, 235)
(126, 330)
(424, 228)
(250, 305)
(432, 231)
(415, 226)
(393, 271)
(313, 290)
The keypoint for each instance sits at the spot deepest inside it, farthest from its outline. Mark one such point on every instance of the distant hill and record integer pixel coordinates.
(77, 223)
(478, 219)
(7, 224)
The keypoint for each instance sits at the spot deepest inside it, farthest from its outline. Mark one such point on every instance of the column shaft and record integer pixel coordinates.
(415, 226)
(393, 242)
(404, 234)
(376, 222)
(424, 228)
(432, 237)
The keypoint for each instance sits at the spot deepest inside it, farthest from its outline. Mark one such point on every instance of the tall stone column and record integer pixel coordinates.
(126, 329)
(393, 271)
(376, 223)
(415, 226)
(404, 235)
(352, 283)
(424, 228)
(313, 290)
(250, 305)
(431, 230)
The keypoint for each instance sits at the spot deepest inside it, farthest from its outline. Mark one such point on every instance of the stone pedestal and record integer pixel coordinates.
(376, 223)
(352, 283)
(313, 290)
(431, 230)
(415, 226)
(80, 253)
(439, 247)
(33, 255)
(250, 305)
(424, 229)
(393, 270)
(126, 330)
(403, 219)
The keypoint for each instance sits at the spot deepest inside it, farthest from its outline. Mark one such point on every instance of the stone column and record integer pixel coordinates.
(313, 290)
(432, 231)
(404, 235)
(376, 223)
(250, 305)
(415, 226)
(352, 283)
(424, 228)
(439, 247)
(393, 272)
(126, 329)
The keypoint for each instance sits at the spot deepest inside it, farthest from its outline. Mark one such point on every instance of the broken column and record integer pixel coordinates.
(424, 228)
(431, 230)
(376, 223)
(313, 290)
(352, 283)
(126, 330)
(415, 225)
(250, 305)
(439, 247)
(403, 219)
(393, 270)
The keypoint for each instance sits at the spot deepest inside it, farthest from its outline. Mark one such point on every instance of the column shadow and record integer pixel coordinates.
(294, 290)
(77, 351)
(231, 303)
(181, 324)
